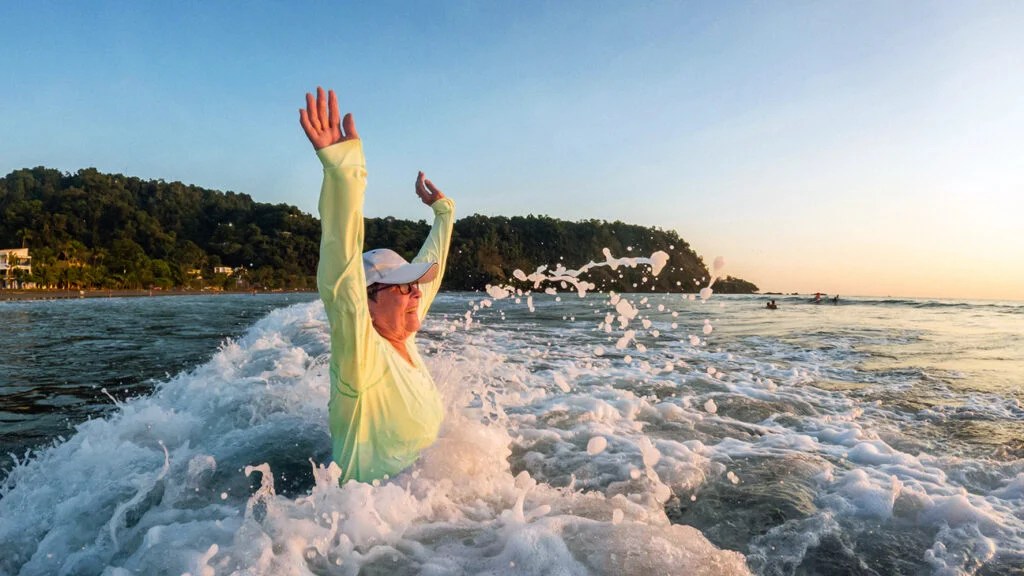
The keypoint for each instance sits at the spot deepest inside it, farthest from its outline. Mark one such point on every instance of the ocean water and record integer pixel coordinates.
(608, 434)
(65, 361)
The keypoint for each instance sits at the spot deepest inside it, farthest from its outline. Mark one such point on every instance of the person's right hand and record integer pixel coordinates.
(321, 122)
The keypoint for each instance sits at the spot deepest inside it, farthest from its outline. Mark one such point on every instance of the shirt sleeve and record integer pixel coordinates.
(435, 249)
(355, 361)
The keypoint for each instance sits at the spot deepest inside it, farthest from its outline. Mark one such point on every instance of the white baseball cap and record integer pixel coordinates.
(384, 266)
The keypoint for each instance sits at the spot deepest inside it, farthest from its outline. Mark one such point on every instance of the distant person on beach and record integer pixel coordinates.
(384, 407)
(836, 299)
(771, 305)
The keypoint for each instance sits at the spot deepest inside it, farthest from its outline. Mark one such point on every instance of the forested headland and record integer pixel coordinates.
(96, 230)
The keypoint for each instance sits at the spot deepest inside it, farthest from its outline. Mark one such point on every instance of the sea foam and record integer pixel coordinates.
(224, 469)
(562, 452)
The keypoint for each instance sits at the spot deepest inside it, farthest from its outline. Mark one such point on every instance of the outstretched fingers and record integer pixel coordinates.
(348, 124)
(311, 112)
(304, 122)
(333, 119)
(322, 122)
(321, 109)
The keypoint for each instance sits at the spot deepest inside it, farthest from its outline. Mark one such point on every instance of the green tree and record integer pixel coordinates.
(90, 229)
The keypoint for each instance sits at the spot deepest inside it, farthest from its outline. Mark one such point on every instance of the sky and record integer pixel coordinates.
(852, 148)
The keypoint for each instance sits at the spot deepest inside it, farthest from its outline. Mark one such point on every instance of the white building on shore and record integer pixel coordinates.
(11, 261)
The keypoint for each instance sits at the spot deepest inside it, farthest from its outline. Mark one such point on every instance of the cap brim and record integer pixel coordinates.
(408, 273)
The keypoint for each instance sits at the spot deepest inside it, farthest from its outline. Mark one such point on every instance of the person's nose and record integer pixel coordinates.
(416, 292)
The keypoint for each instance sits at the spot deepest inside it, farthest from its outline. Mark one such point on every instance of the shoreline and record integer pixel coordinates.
(28, 295)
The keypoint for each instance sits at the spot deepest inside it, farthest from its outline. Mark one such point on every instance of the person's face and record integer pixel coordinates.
(394, 310)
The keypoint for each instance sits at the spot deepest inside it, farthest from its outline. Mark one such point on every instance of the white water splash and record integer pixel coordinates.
(596, 445)
(164, 486)
(511, 481)
(565, 277)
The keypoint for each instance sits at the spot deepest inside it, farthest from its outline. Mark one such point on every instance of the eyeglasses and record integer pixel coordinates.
(403, 289)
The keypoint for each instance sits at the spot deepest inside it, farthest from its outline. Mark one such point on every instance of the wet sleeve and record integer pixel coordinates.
(340, 279)
(435, 249)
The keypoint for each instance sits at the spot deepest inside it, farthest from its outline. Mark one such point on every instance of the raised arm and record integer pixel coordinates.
(435, 248)
(340, 278)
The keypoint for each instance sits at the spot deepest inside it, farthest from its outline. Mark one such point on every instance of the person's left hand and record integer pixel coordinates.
(426, 190)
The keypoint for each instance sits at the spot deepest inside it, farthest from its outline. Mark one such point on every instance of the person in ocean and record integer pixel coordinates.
(384, 408)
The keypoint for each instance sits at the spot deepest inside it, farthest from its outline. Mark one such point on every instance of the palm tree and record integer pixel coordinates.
(26, 236)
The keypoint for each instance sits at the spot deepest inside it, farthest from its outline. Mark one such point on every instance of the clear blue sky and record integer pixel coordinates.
(852, 148)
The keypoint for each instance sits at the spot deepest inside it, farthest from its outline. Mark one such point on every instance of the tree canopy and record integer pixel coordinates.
(96, 230)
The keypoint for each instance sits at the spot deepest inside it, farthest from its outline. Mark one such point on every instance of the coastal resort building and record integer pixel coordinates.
(225, 270)
(15, 268)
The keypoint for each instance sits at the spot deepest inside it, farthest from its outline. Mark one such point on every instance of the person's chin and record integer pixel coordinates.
(412, 323)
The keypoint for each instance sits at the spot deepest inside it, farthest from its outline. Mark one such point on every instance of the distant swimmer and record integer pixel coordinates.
(772, 305)
(384, 407)
(836, 299)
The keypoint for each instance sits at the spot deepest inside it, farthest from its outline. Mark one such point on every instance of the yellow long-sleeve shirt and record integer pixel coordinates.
(383, 410)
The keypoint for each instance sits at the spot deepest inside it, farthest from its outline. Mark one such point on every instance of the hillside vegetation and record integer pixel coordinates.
(96, 230)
